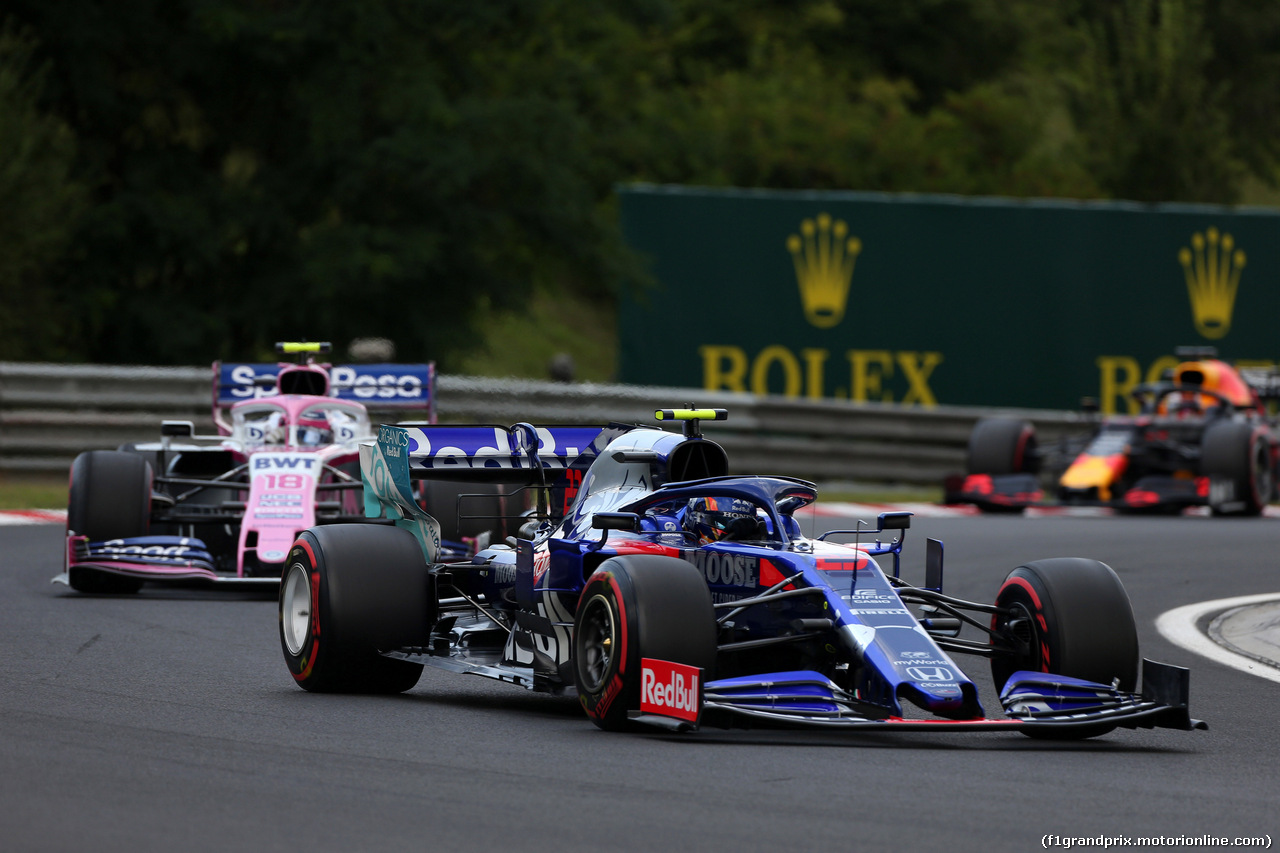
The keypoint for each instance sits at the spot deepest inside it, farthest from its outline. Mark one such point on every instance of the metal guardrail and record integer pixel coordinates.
(51, 412)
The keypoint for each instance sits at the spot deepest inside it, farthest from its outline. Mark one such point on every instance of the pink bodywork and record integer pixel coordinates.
(287, 457)
(283, 475)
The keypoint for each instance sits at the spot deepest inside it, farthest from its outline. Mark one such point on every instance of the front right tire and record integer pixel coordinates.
(1002, 446)
(999, 446)
(634, 607)
(1238, 453)
(109, 498)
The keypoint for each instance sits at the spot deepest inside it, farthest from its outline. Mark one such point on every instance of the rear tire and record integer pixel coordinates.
(109, 498)
(349, 591)
(1071, 616)
(637, 607)
(1239, 453)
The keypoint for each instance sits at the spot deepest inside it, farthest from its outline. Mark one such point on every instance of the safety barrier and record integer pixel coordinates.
(51, 412)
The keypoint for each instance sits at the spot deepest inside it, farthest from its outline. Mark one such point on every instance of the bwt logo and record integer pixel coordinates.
(287, 463)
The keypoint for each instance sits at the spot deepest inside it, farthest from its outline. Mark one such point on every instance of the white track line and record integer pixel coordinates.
(1178, 626)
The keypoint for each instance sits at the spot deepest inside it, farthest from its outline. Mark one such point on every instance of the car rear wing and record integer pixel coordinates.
(378, 386)
(1265, 381)
(537, 456)
(486, 452)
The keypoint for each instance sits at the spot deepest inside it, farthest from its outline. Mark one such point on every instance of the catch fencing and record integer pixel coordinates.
(51, 412)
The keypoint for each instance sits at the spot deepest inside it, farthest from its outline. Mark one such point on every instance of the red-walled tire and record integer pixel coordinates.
(349, 591)
(1069, 616)
(1002, 446)
(635, 607)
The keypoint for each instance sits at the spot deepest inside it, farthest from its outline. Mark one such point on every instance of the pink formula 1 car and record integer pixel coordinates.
(225, 509)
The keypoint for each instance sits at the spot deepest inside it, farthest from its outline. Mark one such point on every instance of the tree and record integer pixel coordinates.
(262, 171)
(1158, 128)
(40, 198)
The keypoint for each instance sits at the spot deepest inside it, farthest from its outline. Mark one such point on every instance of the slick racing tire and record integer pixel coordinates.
(488, 500)
(1002, 446)
(637, 607)
(1237, 455)
(109, 498)
(349, 591)
(1069, 616)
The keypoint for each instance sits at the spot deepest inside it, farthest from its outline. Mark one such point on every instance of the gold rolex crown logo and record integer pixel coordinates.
(824, 255)
(1212, 267)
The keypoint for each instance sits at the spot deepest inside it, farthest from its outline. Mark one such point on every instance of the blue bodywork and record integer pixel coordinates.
(811, 631)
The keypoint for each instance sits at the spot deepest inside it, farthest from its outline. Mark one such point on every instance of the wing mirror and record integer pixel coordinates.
(616, 521)
(177, 429)
(894, 521)
(607, 521)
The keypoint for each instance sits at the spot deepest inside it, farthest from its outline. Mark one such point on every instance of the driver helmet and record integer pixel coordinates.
(1184, 403)
(714, 519)
(313, 432)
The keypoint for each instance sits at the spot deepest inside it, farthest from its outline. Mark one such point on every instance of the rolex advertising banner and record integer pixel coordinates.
(929, 300)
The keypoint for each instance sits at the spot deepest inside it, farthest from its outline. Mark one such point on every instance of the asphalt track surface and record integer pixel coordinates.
(167, 721)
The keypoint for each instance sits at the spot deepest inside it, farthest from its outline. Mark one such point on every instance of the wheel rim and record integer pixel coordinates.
(1018, 632)
(1021, 632)
(597, 640)
(295, 608)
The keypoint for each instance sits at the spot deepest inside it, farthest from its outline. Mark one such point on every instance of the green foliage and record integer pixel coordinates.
(203, 177)
(1159, 128)
(40, 199)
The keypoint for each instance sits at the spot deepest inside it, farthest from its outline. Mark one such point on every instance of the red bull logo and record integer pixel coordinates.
(670, 689)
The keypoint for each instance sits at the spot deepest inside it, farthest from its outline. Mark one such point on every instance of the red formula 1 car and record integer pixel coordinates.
(1202, 437)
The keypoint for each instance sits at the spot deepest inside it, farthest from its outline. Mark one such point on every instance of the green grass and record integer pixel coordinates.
(521, 342)
(33, 491)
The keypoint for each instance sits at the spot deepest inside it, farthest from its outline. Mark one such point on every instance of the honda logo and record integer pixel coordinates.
(930, 673)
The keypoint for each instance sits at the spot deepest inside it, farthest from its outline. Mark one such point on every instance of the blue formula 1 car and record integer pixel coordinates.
(664, 592)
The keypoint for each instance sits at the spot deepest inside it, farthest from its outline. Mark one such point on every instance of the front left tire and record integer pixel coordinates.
(1068, 616)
